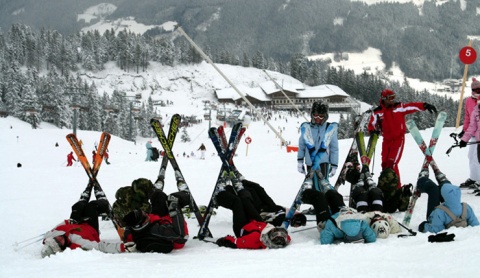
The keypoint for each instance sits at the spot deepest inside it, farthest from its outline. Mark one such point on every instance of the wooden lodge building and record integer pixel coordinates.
(269, 94)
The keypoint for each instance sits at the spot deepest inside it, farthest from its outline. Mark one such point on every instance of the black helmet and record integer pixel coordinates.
(319, 108)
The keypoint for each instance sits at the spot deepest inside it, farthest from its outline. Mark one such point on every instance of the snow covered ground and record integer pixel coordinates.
(37, 196)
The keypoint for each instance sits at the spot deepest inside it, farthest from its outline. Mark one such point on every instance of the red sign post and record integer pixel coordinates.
(467, 55)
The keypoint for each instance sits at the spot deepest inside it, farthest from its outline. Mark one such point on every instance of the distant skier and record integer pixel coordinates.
(389, 119)
(202, 150)
(70, 159)
(148, 145)
(106, 156)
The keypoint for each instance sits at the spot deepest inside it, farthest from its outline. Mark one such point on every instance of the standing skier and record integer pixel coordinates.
(81, 230)
(161, 231)
(202, 150)
(389, 119)
(441, 215)
(70, 159)
(473, 151)
(148, 145)
(318, 127)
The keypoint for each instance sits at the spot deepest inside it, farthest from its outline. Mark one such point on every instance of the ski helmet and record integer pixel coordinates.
(388, 94)
(319, 108)
(475, 87)
(380, 226)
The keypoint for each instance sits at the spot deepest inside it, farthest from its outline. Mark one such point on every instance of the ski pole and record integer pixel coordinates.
(24, 243)
(301, 230)
(412, 232)
(458, 145)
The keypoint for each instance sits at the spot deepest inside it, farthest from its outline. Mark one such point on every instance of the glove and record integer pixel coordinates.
(460, 135)
(407, 190)
(462, 144)
(442, 237)
(333, 170)
(298, 219)
(130, 247)
(301, 168)
(227, 241)
(320, 226)
(429, 107)
(421, 227)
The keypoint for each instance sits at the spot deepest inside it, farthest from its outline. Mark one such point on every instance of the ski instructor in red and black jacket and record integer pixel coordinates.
(389, 119)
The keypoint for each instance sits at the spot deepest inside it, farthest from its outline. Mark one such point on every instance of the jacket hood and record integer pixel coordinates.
(452, 195)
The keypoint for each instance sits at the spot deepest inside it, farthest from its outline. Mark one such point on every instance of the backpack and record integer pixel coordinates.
(155, 154)
(456, 221)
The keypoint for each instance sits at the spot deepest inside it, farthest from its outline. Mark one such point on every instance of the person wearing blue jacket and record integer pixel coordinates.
(318, 126)
(148, 145)
(451, 194)
(347, 226)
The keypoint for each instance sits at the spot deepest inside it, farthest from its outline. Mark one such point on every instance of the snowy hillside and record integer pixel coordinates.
(37, 196)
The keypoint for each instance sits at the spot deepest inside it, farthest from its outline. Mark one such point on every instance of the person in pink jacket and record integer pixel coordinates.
(470, 103)
(473, 130)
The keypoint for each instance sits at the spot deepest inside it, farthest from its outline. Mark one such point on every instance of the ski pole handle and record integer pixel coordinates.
(450, 149)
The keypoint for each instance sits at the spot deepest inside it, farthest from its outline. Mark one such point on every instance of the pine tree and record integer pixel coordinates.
(185, 137)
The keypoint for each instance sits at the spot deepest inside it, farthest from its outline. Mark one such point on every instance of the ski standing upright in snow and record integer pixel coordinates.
(226, 151)
(93, 171)
(314, 173)
(427, 151)
(352, 156)
(366, 154)
(166, 144)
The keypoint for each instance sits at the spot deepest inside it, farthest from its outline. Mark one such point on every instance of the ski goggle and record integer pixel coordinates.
(318, 116)
(477, 90)
(389, 97)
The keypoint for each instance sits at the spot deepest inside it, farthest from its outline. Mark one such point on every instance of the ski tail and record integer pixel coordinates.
(427, 151)
(308, 181)
(172, 134)
(101, 150)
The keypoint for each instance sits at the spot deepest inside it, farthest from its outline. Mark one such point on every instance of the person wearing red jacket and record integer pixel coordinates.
(70, 159)
(81, 230)
(249, 229)
(389, 119)
(161, 231)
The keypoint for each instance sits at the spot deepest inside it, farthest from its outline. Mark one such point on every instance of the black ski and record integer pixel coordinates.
(227, 150)
(172, 133)
(165, 141)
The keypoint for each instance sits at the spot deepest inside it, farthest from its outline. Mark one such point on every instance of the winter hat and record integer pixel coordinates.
(274, 237)
(50, 247)
(475, 83)
(380, 226)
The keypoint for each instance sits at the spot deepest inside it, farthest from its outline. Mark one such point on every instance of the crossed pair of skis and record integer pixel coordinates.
(93, 171)
(226, 151)
(427, 151)
(167, 144)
